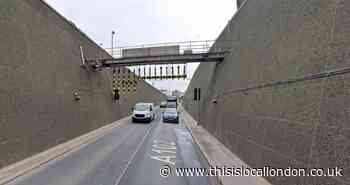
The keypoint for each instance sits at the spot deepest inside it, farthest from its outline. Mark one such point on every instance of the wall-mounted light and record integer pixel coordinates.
(76, 96)
(215, 101)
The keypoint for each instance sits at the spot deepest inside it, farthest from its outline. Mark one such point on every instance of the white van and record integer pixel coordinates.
(143, 112)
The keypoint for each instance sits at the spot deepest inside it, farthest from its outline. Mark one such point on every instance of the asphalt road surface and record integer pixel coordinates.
(131, 154)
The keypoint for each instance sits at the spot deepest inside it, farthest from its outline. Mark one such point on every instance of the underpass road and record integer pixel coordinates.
(131, 154)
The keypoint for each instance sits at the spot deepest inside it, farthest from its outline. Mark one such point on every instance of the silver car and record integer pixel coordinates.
(170, 115)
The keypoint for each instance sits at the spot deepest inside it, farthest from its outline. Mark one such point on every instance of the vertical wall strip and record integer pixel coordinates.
(114, 85)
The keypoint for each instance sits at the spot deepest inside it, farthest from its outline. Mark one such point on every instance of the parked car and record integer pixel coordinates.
(170, 115)
(163, 104)
(143, 112)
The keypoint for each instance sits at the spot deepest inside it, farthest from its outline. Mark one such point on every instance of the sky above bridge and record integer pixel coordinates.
(149, 21)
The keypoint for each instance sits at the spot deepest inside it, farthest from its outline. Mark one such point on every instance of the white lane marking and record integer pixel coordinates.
(163, 151)
(133, 156)
(164, 147)
(161, 147)
(166, 159)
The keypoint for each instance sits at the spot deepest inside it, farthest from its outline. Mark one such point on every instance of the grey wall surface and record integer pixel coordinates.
(39, 71)
(239, 3)
(304, 124)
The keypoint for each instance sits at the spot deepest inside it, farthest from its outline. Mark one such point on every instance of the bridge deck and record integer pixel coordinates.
(161, 59)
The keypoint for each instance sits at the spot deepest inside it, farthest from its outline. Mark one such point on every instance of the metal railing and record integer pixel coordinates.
(187, 47)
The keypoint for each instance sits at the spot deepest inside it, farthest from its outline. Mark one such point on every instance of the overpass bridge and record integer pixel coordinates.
(152, 62)
(158, 54)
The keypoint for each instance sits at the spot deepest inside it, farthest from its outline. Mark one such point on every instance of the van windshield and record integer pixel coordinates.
(142, 107)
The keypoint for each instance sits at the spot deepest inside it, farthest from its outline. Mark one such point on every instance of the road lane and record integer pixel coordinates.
(130, 155)
(166, 144)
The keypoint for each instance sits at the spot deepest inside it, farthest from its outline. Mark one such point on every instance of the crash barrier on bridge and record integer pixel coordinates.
(169, 48)
(157, 54)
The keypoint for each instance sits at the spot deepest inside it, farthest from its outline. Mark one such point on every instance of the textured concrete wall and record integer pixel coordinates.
(304, 124)
(239, 3)
(39, 71)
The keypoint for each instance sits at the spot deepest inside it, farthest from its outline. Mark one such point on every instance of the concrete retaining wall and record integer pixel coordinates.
(39, 71)
(303, 124)
(239, 3)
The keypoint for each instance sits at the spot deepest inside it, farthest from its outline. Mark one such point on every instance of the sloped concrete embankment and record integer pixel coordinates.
(281, 101)
(39, 72)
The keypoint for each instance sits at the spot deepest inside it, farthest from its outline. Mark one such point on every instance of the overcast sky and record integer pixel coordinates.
(148, 21)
